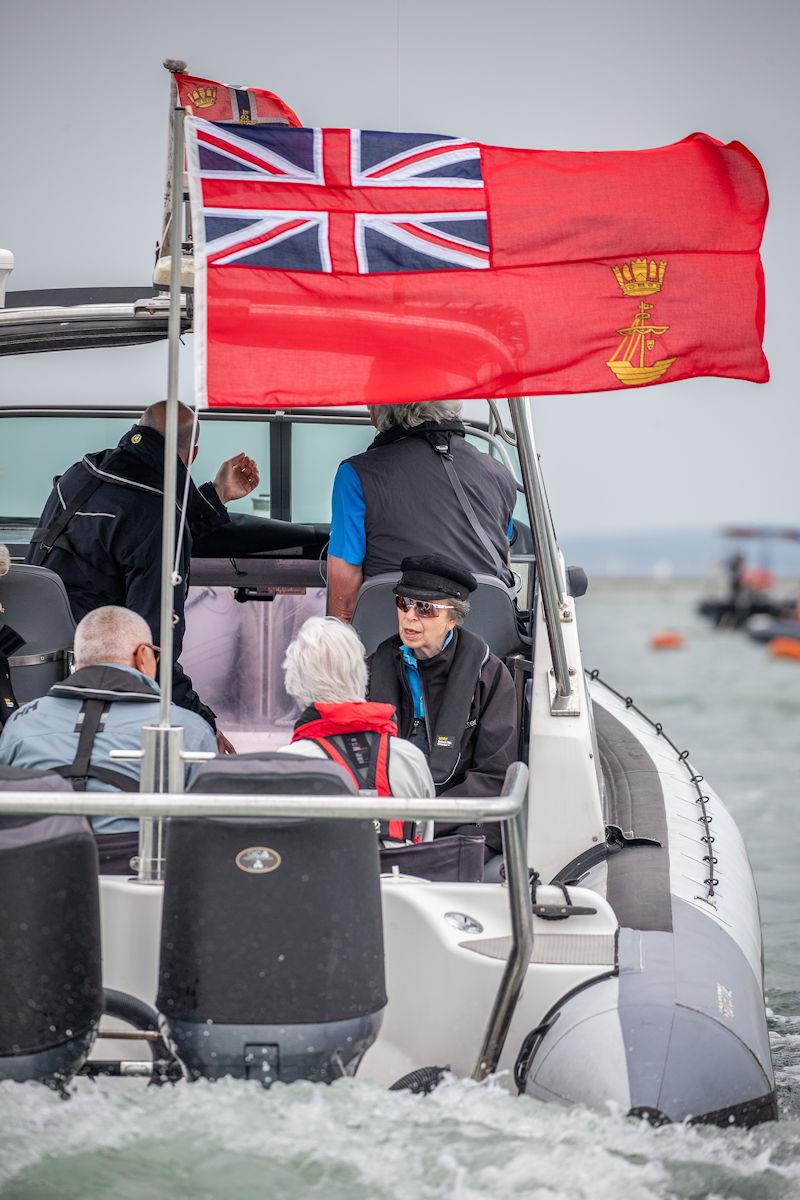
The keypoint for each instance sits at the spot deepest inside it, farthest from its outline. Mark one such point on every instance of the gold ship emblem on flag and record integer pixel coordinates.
(636, 359)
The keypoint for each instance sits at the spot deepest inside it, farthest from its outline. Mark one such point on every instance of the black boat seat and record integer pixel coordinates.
(271, 963)
(493, 614)
(50, 977)
(35, 604)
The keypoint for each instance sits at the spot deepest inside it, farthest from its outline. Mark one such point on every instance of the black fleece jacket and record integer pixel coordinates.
(489, 736)
(110, 552)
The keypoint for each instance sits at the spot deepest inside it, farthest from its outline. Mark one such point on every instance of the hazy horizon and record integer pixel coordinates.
(85, 151)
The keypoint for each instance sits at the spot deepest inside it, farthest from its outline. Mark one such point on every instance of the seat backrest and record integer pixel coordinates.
(271, 921)
(35, 604)
(492, 614)
(272, 773)
(50, 970)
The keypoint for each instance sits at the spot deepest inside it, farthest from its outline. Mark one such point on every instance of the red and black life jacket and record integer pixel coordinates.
(357, 735)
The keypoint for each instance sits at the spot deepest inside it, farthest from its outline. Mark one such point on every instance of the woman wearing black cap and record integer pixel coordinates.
(454, 698)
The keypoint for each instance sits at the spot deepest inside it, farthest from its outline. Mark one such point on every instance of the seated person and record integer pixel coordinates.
(102, 706)
(327, 674)
(455, 699)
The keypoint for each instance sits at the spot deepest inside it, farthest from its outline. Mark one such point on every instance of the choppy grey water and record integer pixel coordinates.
(737, 711)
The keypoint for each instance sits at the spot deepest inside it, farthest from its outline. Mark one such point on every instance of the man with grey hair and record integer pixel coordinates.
(101, 707)
(420, 488)
(326, 673)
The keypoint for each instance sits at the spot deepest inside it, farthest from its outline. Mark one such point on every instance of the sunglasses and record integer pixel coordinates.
(156, 649)
(423, 608)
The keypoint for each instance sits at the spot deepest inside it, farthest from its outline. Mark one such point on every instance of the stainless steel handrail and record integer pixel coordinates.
(222, 804)
(510, 807)
(547, 558)
(515, 849)
(81, 312)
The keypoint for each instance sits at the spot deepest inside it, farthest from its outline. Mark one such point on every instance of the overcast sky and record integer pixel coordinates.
(82, 143)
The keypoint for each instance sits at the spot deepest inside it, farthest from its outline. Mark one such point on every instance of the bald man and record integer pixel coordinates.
(101, 530)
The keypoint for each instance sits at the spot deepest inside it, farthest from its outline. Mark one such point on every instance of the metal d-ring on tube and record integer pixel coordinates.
(547, 561)
(515, 849)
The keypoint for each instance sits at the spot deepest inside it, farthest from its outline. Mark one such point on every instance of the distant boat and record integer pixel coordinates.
(763, 628)
(749, 594)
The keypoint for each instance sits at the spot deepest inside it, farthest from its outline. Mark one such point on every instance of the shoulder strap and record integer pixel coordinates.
(372, 778)
(336, 756)
(45, 538)
(10, 641)
(469, 512)
(80, 770)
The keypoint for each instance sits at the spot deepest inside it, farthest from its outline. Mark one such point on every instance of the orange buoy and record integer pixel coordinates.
(785, 647)
(668, 640)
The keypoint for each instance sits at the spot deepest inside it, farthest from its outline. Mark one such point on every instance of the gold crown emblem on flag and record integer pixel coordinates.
(203, 96)
(640, 277)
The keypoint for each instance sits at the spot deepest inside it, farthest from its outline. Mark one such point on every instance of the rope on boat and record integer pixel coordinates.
(695, 779)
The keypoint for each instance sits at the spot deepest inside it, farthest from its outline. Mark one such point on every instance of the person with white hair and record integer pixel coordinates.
(326, 673)
(101, 707)
(419, 488)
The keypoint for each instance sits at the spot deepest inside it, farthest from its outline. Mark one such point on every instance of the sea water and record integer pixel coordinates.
(737, 711)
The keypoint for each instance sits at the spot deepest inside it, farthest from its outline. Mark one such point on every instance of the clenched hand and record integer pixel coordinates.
(236, 478)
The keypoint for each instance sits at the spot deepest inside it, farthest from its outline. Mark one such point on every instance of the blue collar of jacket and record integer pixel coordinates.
(411, 667)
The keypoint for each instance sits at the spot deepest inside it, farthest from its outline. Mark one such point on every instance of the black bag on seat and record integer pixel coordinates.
(454, 859)
(272, 938)
(51, 995)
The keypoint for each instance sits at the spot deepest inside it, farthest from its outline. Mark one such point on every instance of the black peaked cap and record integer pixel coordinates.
(431, 577)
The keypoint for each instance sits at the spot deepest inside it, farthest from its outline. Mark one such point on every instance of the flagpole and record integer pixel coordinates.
(174, 66)
(171, 429)
(161, 762)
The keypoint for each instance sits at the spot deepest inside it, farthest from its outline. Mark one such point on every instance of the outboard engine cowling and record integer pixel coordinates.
(271, 938)
(51, 995)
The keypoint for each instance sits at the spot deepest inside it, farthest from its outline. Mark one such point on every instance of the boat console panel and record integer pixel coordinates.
(270, 967)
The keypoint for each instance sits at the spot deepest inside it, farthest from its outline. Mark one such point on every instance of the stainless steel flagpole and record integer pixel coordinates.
(174, 66)
(162, 764)
(171, 430)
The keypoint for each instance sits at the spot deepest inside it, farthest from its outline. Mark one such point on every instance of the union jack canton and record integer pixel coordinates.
(339, 201)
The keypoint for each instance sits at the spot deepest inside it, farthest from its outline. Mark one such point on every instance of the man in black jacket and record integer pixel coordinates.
(109, 549)
(455, 699)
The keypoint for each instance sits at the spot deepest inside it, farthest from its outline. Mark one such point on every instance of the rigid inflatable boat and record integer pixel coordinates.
(619, 963)
(261, 934)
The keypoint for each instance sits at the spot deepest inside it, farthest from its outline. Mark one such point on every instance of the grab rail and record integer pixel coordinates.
(547, 558)
(509, 807)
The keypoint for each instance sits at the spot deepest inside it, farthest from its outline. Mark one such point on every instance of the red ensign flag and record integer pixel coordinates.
(342, 266)
(229, 102)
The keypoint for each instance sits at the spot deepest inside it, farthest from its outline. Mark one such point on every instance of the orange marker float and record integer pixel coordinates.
(785, 647)
(668, 640)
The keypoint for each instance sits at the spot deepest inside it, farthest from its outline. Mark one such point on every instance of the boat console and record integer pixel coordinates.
(50, 970)
(271, 964)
